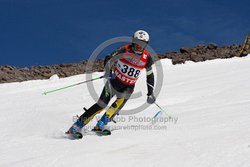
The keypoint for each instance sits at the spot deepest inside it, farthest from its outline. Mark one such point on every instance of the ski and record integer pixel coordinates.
(76, 135)
(104, 132)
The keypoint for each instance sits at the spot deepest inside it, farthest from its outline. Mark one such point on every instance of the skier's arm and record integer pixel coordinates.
(150, 76)
(150, 80)
(108, 65)
(113, 54)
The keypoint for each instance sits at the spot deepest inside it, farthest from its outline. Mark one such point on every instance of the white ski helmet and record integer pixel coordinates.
(141, 35)
(140, 41)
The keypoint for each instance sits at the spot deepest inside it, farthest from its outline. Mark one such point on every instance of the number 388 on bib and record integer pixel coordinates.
(129, 66)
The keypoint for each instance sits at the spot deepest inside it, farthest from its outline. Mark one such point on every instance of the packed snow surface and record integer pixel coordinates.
(209, 105)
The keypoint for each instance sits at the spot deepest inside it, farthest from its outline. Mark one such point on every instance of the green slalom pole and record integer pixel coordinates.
(69, 86)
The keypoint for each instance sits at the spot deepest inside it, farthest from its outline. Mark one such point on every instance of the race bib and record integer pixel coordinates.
(127, 70)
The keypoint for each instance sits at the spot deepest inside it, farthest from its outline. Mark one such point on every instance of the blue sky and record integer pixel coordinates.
(44, 32)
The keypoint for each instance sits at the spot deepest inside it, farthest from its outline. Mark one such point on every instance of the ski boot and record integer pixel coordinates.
(100, 126)
(75, 129)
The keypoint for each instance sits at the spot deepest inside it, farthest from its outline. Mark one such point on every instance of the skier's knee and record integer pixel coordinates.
(101, 104)
(115, 107)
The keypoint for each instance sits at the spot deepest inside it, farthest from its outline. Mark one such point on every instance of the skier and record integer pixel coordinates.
(131, 59)
(245, 49)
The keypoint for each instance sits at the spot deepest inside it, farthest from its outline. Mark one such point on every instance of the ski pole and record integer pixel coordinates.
(161, 110)
(69, 86)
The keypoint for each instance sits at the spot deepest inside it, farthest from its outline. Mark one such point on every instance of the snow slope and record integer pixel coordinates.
(211, 101)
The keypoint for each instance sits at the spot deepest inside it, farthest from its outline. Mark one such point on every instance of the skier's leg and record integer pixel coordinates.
(122, 98)
(110, 113)
(84, 119)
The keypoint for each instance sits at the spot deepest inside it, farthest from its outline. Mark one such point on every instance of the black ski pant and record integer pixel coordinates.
(111, 88)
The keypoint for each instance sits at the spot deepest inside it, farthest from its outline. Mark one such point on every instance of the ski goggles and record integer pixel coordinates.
(136, 41)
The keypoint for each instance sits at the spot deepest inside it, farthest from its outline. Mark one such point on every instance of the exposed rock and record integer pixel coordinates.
(185, 50)
(196, 54)
(212, 46)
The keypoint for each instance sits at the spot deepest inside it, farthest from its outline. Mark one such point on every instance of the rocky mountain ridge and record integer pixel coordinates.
(196, 54)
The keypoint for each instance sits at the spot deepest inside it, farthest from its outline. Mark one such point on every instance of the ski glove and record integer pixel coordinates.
(151, 99)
